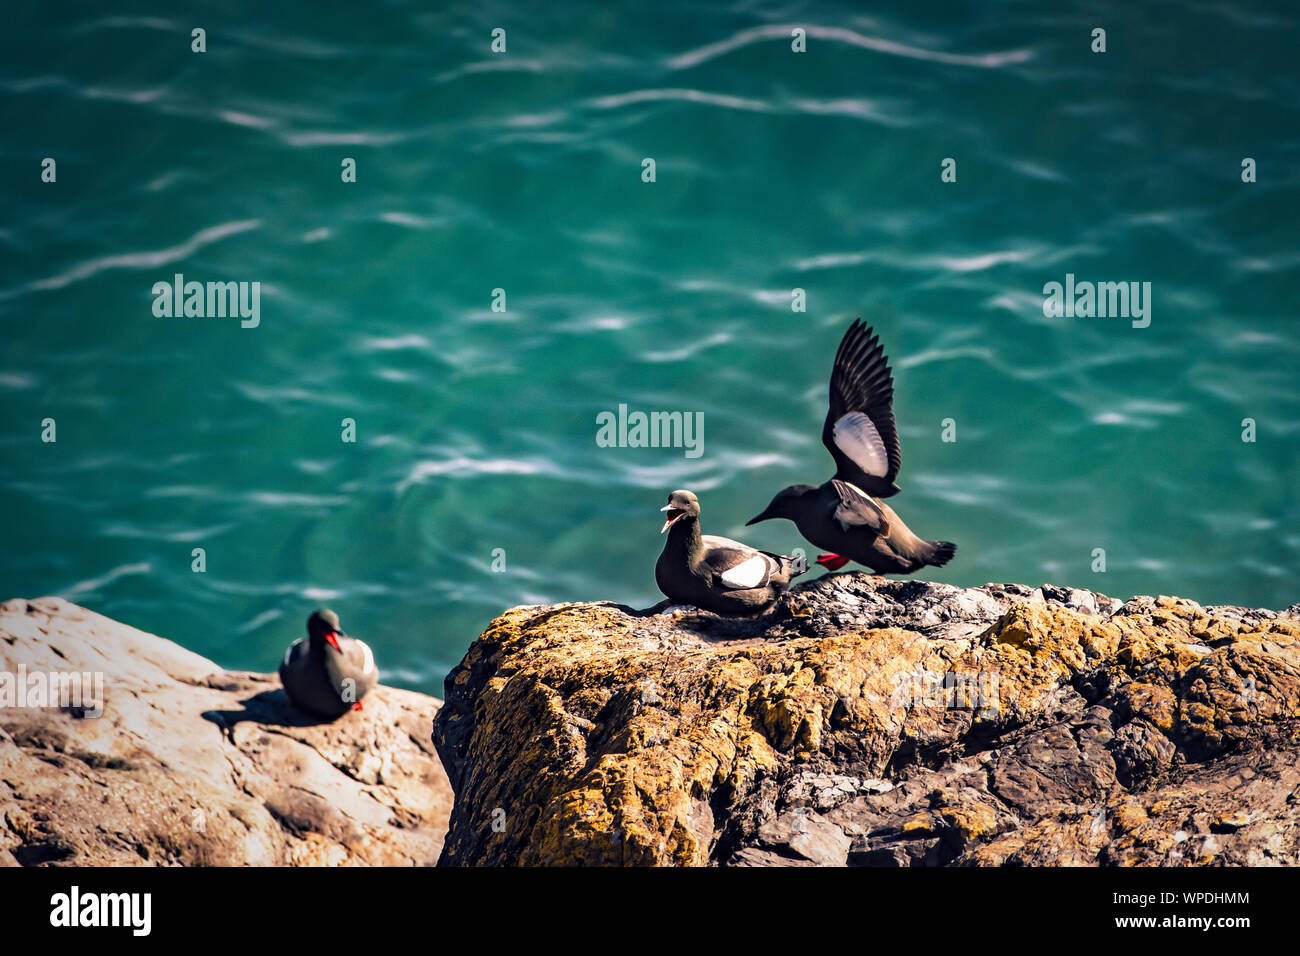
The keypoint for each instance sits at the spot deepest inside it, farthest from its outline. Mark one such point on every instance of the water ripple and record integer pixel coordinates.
(138, 260)
(684, 95)
(743, 38)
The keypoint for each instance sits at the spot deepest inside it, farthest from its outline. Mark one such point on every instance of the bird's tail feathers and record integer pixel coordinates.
(941, 553)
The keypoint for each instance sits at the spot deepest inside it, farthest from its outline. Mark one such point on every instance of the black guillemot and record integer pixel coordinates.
(843, 515)
(327, 673)
(714, 573)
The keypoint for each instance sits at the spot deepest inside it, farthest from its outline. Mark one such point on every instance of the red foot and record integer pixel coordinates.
(832, 562)
(357, 705)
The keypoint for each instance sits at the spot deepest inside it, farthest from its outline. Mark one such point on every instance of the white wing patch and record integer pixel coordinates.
(865, 497)
(747, 574)
(368, 663)
(856, 436)
(288, 655)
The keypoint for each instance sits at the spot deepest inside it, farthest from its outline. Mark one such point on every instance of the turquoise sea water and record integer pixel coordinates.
(522, 171)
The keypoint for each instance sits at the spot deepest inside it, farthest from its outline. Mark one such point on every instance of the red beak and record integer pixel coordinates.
(332, 637)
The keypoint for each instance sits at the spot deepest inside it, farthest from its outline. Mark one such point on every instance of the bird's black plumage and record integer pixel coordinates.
(862, 384)
(715, 573)
(842, 515)
(327, 673)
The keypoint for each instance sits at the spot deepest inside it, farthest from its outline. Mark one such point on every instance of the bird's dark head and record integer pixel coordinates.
(324, 626)
(681, 504)
(783, 505)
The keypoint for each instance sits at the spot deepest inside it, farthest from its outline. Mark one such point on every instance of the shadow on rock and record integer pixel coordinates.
(268, 707)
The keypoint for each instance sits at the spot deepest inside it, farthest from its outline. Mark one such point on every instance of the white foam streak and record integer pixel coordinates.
(988, 61)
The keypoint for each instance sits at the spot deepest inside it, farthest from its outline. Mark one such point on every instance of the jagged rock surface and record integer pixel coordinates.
(880, 722)
(190, 764)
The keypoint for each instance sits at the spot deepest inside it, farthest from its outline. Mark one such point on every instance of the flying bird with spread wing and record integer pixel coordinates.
(844, 515)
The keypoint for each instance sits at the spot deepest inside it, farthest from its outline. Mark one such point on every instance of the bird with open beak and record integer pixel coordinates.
(715, 573)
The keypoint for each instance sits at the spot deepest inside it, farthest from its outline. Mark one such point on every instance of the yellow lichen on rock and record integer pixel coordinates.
(894, 723)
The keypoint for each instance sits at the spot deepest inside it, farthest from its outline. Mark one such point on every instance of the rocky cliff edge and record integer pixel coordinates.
(190, 764)
(880, 722)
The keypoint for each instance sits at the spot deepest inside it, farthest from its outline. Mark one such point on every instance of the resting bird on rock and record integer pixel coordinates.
(843, 515)
(327, 673)
(713, 573)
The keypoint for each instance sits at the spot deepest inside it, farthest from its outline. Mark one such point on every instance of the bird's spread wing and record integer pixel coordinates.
(857, 510)
(738, 566)
(859, 431)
